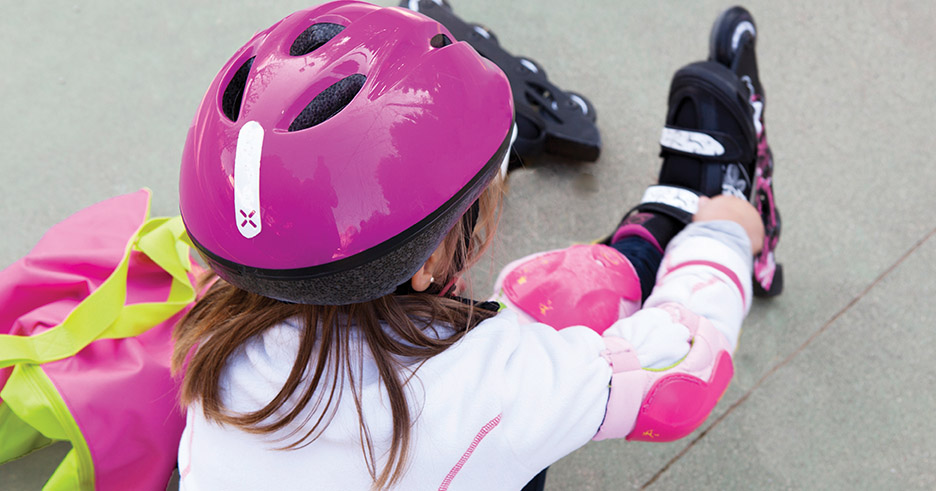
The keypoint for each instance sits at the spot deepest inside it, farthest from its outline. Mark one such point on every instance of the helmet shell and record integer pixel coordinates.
(349, 208)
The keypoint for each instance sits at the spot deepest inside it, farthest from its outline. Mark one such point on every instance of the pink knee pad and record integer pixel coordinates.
(665, 405)
(591, 285)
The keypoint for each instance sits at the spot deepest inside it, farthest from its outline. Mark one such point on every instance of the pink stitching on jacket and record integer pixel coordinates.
(726, 271)
(471, 448)
(188, 465)
(704, 285)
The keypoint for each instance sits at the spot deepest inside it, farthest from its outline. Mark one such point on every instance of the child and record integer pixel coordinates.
(343, 170)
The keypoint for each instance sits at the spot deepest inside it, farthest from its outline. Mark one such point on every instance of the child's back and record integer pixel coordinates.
(481, 412)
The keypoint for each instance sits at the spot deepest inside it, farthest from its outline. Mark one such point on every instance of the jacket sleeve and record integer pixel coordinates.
(703, 291)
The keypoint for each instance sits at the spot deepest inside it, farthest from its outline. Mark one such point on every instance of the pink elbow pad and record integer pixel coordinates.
(665, 405)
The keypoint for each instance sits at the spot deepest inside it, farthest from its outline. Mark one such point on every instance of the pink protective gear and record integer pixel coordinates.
(596, 286)
(665, 405)
(591, 285)
(334, 151)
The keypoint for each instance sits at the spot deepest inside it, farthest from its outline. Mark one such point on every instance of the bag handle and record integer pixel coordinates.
(102, 314)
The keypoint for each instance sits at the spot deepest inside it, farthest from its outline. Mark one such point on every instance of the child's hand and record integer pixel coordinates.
(658, 340)
(727, 207)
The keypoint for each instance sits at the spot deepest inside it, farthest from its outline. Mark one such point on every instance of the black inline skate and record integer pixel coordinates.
(714, 140)
(548, 118)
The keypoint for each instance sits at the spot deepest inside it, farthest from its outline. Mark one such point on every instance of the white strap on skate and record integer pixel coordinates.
(680, 198)
(692, 142)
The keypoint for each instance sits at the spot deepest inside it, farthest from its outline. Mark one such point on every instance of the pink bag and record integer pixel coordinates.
(85, 340)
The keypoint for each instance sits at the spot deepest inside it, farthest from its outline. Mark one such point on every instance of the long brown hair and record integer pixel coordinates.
(226, 317)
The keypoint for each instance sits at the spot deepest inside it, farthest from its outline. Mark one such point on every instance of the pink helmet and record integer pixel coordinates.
(335, 150)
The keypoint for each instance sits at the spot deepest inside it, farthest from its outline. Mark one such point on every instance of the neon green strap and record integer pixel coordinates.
(34, 400)
(102, 314)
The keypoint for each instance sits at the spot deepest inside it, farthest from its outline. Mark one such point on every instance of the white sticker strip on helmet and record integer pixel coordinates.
(680, 198)
(247, 179)
(691, 142)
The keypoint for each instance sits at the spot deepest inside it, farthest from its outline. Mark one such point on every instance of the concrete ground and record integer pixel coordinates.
(834, 379)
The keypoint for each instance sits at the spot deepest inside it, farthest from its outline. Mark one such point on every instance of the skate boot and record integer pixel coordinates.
(708, 148)
(714, 140)
(549, 119)
(732, 44)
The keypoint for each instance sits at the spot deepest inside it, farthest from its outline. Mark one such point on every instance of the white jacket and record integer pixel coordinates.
(492, 411)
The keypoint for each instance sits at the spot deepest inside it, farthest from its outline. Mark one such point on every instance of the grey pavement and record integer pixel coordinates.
(834, 383)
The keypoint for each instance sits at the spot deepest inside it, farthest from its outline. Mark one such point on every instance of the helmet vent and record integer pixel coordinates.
(329, 102)
(234, 92)
(440, 41)
(313, 38)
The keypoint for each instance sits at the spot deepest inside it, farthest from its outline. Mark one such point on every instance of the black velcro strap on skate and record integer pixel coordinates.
(673, 201)
(676, 202)
(704, 145)
(664, 209)
(677, 214)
